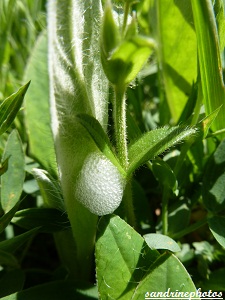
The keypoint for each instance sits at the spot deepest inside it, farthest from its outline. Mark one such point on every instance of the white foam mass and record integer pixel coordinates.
(99, 186)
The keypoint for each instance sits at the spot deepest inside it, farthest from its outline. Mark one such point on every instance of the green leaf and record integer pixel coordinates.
(206, 123)
(220, 20)
(11, 245)
(154, 143)
(177, 51)
(6, 218)
(49, 219)
(122, 258)
(217, 225)
(10, 107)
(57, 290)
(101, 139)
(213, 189)
(162, 278)
(37, 111)
(128, 269)
(160, 241)
(50, 189)
(12, 181)
(209, 60)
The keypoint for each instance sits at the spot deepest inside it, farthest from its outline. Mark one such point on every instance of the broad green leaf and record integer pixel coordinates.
(50, 189)
(10, 107)
(122, 258)
(7, 259)
(77, 85)
(101, 139)
(213, 188)
(160, 241)
(11, 245)
(128, 269)
(154, 143)
(11, 282)
(7, 217)
(57, 290)
(37, 113)
(217, 225)
(12, 180)
(167, 274)
(209, 60)
(49, 219)
(177, 51)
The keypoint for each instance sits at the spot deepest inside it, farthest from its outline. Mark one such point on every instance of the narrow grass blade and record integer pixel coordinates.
(209, 60)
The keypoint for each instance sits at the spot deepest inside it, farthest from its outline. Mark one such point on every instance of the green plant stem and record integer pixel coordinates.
(125, 16)
(165, 201)
(218, 132)
(119, 113)
(189, 229)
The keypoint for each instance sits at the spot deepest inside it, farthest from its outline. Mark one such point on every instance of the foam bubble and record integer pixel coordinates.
(99, 186)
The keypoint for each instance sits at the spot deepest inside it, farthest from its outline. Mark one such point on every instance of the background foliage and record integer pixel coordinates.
(181, 84)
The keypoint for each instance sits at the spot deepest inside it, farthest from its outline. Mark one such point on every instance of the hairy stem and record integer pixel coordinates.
(119, 114)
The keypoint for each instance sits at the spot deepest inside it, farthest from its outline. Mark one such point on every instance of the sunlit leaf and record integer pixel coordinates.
(128, 269)
(10, 107)
(160, 241)
(177, 51)
(37, 110)
(156, 142)
(209, 60)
